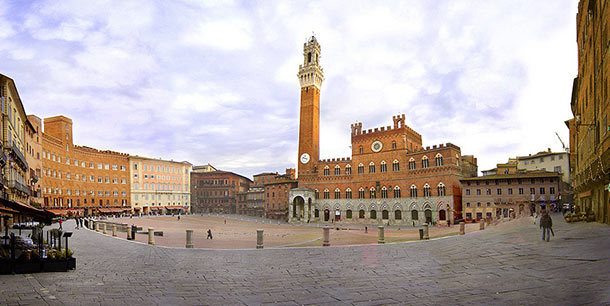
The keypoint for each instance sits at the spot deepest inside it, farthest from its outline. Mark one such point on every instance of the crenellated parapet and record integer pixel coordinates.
(335, 160)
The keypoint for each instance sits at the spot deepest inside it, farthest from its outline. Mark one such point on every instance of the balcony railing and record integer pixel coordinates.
(18, 186)
(18, 156)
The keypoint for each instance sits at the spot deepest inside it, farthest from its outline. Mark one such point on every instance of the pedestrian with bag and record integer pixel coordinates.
(546, 223)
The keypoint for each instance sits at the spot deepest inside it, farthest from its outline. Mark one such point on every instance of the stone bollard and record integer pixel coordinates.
(114, 230)
(259, 238)
(151, 236)
(104, 228)
(488, 221)
(380, 234)
(462, 228)
(481, 225)
(128, 231)
(326, 235)
(189, 239)
(426, 231)
(97, 226)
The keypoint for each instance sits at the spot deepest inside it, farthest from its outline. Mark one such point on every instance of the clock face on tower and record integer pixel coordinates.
(304, 158)
(376, 146)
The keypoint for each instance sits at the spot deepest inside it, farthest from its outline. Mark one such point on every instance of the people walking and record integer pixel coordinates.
(209, 234)
(546, 223)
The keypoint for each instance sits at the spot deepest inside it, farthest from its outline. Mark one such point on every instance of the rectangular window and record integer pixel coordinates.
(532, 190)
(541, 190)
(467, 191)
(371, 168)
(384, 168)
(552, 190)
(348, 170)
(520, 190)
(478, 191)
(510, 191)
(337, 171)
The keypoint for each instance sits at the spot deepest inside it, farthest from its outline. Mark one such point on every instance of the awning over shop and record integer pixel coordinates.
(111, 210)
(154, 208)
(37, 214)
(65, 212)
(7, 210)
(175, 207)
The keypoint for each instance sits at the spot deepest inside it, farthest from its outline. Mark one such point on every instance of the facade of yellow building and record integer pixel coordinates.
(590, 126)
(14, 125)
(159, 186)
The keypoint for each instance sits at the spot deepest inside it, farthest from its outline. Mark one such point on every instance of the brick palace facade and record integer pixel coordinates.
(389, 178)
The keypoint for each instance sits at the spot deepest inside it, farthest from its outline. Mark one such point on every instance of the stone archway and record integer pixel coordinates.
(442, 215)
(428, 215)
(298, 207)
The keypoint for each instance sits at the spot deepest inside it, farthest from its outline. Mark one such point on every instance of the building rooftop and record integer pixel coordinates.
(528, 174)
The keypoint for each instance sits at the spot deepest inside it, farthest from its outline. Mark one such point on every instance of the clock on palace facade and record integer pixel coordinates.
(305, 158)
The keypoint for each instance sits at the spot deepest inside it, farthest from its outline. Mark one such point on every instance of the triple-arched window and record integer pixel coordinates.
(384, 192)
(439, 160)
(383, 167)
(424, 162)
(427, 192)
(397, 192)
(395, 165)
(413, 191)
(441, 189)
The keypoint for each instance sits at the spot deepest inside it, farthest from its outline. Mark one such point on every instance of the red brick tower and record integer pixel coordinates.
(310, 77)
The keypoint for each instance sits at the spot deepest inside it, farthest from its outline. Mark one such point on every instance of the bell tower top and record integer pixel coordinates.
(310, 72)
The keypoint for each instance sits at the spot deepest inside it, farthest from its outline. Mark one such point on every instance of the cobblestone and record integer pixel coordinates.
(503, 265)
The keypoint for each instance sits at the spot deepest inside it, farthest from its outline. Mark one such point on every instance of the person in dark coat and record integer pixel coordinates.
(546, 223)
(209, 234)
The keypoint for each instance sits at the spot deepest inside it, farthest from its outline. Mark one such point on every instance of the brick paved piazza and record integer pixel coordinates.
(507, 264)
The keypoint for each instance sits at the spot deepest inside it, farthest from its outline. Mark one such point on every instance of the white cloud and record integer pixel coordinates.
(223, 34)
(215, 81)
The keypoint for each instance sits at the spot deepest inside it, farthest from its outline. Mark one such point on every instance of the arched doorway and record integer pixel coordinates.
(397, 214)
(337, 215)
(373, 214)
(385, 215)
(348, 214)
(414, 215)
(442, 215)
(361, 214)
(326, 215)
(298, 205)
(428, 215)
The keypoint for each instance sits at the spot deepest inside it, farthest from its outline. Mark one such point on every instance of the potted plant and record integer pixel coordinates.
(55, 262)
(27, 262)
(71, 260)
(5, 261)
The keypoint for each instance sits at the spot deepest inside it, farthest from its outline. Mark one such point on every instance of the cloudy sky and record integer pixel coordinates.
(215, 81)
